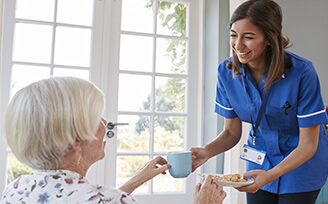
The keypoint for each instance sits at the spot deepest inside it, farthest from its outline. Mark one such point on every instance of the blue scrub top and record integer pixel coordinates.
(278, 132)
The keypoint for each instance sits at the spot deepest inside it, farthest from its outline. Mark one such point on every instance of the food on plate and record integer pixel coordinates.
(229, 177)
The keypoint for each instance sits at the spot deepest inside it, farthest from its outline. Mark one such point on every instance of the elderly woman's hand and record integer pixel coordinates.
(209, 192)
(148, 171)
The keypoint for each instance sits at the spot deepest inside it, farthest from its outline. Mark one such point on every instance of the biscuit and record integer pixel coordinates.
(229, 177)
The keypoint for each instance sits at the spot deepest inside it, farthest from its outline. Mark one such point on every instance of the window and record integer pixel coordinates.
(145, 56)
(41, 39)
(152, 86)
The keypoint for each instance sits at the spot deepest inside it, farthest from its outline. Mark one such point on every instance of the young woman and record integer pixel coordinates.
(277, 92)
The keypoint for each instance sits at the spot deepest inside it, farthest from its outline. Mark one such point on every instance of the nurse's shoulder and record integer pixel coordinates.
(300, 63)
(223, 69)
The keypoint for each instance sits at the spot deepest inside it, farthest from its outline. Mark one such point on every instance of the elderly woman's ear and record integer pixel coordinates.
(76, 145)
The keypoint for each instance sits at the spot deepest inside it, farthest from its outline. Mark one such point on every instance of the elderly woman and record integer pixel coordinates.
(56, 127)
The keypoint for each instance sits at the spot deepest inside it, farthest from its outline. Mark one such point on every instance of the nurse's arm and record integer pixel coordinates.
(307, 146)
(305, 150)
(227, 139)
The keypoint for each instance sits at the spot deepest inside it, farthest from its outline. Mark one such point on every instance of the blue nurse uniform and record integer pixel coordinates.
(294, 102)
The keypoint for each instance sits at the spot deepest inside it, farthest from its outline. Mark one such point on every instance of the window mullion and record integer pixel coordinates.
(54, 27)
(5, 79)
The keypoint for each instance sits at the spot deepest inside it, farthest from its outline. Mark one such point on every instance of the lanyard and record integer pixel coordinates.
(261, 111)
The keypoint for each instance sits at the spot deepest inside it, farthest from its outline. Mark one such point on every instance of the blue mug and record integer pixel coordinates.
(181, 163)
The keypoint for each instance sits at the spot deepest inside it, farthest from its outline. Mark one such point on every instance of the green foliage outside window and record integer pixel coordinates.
(174, 88)
(16, 168)
(128, 141)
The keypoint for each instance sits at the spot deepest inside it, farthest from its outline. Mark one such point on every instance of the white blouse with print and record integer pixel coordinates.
(61, 186)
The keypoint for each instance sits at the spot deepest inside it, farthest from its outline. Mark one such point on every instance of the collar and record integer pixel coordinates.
(243, 73)
(60, 172)
(247, 75)
(242, 70)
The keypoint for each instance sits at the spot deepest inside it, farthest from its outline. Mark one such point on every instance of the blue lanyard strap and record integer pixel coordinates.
(261, 111)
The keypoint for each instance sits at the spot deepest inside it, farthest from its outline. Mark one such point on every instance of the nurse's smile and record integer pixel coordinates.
(243, 54)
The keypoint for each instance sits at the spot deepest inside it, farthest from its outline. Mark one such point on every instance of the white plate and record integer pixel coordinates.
(229, 183)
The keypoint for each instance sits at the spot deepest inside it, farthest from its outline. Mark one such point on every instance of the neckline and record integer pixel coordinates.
(59, 172)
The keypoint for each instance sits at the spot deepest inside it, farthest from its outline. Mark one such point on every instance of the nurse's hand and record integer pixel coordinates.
(199, 157)
(260, 177)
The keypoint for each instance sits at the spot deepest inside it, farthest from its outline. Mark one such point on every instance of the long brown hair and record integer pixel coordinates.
(267, 16)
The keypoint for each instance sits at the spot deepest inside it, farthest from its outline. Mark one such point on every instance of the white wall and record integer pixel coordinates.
(216, 50)
(306, 24)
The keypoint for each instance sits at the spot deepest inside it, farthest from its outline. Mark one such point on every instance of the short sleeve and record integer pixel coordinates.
(222, 104)
(311, 110)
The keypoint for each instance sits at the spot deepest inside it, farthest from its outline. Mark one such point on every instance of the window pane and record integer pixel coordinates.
(137, 15)
(73, 46)
(75, 12)
(134, 92)
(135, 136)
(136, 53)
(84, 74)
(23, 75)
(170, 94)
(16, 168)
(171, 18)
(126, 167)
(170, 56)
(42, 10)
(32, 43)
(169, 133)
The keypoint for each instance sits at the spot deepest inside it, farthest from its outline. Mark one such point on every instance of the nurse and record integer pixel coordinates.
(278, 92)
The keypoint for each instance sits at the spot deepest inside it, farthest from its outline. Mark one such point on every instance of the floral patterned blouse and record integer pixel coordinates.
(60, 186)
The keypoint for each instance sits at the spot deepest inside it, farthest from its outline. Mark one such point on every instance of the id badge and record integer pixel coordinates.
(253, 155)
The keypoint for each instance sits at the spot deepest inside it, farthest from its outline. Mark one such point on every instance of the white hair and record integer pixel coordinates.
(44, 118)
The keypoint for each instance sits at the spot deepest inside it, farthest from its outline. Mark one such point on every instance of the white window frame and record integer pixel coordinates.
(105, 55)
(3, 156)
(112, 37)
